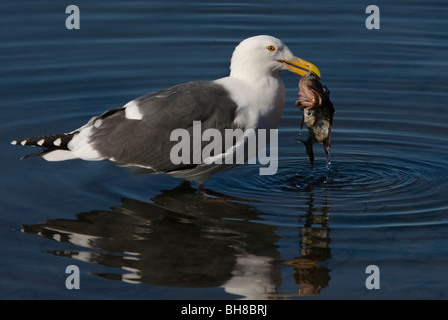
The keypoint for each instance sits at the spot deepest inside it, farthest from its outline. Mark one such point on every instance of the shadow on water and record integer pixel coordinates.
(185, 238)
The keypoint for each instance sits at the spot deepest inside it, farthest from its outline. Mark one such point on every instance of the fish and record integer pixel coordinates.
(318, 113)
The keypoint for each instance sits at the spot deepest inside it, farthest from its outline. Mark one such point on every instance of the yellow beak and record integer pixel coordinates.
(298, 65)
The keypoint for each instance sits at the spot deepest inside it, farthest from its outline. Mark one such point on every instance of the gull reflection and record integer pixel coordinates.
(185, 238)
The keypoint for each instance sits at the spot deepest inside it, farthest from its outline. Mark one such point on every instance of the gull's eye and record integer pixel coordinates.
(271, 48)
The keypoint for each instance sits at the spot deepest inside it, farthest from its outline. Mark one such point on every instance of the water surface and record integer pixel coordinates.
(296, 234)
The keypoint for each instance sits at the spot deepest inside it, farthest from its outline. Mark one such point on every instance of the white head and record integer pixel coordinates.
(262, 56)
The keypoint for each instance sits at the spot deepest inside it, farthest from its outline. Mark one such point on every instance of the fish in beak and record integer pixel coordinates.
(318, 111)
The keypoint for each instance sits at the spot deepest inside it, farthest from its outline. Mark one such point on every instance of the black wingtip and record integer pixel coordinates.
(54, 141)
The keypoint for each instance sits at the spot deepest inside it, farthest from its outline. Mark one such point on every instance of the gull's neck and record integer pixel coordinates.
(260, 99)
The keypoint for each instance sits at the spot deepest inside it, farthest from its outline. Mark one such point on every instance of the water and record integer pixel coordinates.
(296, 234)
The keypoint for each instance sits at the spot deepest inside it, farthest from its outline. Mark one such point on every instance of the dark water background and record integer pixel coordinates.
(295, 234)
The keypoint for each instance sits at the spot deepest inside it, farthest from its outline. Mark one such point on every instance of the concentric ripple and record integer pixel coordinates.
(384, 185)
(361, 177)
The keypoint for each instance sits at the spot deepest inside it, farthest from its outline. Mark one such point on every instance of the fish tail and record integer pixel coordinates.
(309, 151)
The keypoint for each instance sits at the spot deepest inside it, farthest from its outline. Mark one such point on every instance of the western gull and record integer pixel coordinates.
(140, 134)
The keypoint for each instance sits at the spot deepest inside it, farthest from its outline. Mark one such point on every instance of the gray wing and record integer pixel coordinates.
(146, 142)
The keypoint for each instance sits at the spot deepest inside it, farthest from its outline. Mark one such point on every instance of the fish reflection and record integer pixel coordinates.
(183, 238)
(314, 243)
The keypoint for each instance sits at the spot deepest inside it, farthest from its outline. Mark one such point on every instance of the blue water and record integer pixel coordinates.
(296, 234)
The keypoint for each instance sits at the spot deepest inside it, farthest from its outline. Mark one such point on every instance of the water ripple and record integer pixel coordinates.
(379, 187)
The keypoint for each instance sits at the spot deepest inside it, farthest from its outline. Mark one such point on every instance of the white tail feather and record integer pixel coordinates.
(59, 155)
